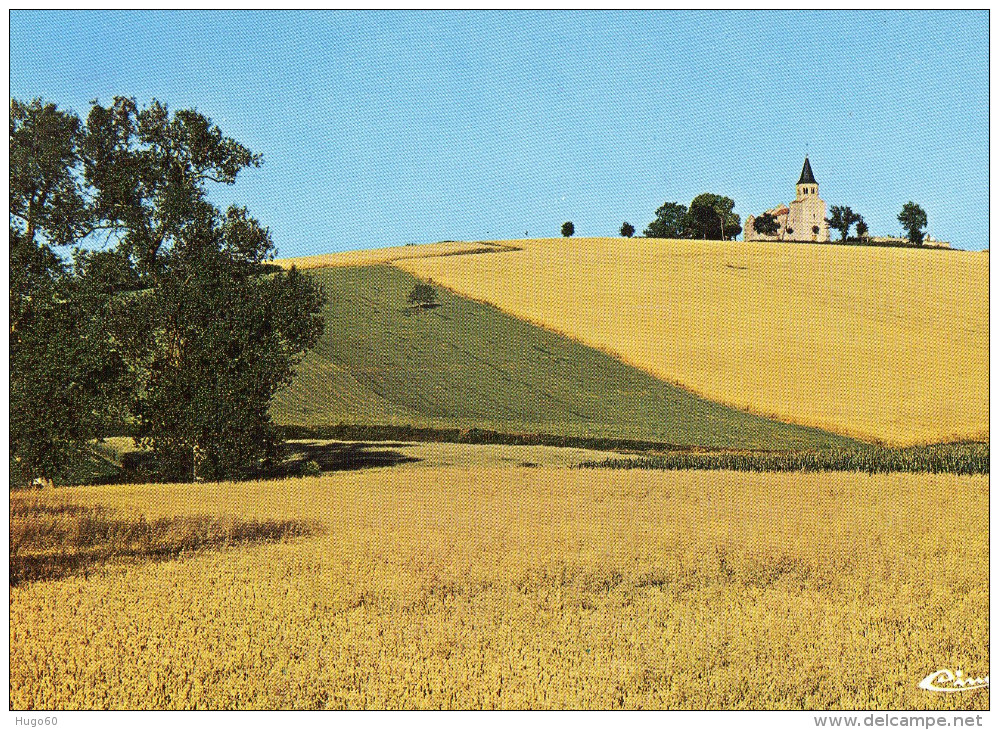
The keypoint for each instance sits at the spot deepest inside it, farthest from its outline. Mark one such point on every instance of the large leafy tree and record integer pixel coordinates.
(149, 171)
(913, 220)
(224, 339)
(62, 367)
(201, 333)
(862, 229)
(766, 224)
(66, 374)
(841, 218)
(48, 202)
(672, 221)
(712, 217)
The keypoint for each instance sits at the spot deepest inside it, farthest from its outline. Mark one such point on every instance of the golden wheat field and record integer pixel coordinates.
(389, 254)
(879, 343)
(506, 587)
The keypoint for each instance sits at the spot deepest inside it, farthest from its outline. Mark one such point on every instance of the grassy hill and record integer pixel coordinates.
(887, 344)
(466, 364)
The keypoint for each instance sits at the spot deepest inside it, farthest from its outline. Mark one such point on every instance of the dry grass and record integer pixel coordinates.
(51, 539)
(888, 344)
(498, 587)
(389, 254)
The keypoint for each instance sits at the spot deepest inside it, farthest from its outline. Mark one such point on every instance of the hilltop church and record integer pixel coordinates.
(803, 220)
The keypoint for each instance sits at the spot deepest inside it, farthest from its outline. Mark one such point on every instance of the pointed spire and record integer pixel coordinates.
(807, 178)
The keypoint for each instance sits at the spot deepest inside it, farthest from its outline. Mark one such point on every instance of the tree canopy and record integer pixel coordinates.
(671, 222)
(709, 216)
(841, 218)
(913, 220)
(568, 229)
(712, 217)
(627, 230)
(862, 229)
(423, 295)
(766, 224)
(166, 317)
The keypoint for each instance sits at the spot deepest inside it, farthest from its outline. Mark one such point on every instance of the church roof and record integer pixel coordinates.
(807, 178)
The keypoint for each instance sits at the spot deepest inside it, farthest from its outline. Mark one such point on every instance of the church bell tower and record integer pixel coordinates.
(807, 218)
(807, 186)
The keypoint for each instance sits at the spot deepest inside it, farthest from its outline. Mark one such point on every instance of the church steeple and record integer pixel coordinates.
(807, 184)
(806, 173)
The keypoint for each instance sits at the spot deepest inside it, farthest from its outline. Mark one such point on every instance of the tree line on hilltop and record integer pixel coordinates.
(711, 216)
(137, 305)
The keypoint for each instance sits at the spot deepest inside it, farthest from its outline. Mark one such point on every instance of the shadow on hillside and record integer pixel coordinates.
(298, 458)
(342, 456)
(423, 307)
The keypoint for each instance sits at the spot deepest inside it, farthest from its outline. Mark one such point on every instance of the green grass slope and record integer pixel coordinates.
(465, 364)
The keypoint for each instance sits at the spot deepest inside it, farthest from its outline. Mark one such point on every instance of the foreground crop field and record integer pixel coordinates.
(523, 587)
(879, 343)
(467, 365)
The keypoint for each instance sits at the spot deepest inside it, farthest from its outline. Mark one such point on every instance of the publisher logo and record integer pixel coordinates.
(944, 680)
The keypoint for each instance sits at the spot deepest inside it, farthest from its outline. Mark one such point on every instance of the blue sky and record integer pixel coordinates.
(384, 128)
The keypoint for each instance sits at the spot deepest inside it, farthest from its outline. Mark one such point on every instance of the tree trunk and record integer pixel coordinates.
(197, 462)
